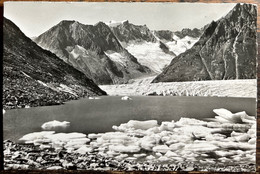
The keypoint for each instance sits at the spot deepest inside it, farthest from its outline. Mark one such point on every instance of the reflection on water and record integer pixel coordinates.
(93, 116)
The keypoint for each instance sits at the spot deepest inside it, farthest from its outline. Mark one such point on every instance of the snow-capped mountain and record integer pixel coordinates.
(33, 76)
(154, 49)
(226, 50)
(151, 55)
(178, 43)
(114, 52)
(141, 43)
(92, 49)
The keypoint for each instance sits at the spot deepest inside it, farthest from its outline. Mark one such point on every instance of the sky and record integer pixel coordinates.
(34, 18)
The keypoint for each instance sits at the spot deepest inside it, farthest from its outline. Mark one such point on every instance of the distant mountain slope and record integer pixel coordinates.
(149, 49)
(130, 33)
(92, 49)
(226, 50)
(35, 77)
(188, 32)
(178, 43)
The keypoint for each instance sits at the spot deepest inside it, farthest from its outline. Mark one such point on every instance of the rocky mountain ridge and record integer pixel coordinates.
(127, 32)
(114, 52)
(195, 32)
(226, 50)
(36, 77)
(93, 50)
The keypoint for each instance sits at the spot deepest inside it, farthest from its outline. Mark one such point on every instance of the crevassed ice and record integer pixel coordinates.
(151, 55)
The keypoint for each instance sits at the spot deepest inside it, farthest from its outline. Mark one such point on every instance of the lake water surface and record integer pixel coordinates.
(98, 116)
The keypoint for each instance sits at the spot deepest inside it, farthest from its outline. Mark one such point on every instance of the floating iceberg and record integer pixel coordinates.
(84, 149)
(142, 124)
(55, 124)
(36, 135)
(122, 148)
(225, 116)
(186, 140)
(201, 147)
(126, 98)
(190, 121)
(94, 98)
(134, 124)
(161, 148)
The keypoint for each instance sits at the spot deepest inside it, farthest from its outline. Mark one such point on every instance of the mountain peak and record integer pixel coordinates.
(66, 22)
(226, 50)
(100, 23)
(195, 32)
(127, 32)
(125, 22)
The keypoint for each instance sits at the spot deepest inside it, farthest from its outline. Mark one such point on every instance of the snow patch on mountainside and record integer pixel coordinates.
(116, 57)
(179, 46)
(113, 23)
(151, 55)
(77, 51)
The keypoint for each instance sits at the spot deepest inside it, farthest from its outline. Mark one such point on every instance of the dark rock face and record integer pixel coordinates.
(127, 32)
(165, 49)
(164, 35)
(27, 69)
(188, 32)
(88, 49)
(226, 50)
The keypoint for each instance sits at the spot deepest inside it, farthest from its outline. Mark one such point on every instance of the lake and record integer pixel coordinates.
(98, 116)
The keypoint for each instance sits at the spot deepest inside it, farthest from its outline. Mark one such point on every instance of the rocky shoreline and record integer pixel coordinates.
(30, 157)
(224, 143)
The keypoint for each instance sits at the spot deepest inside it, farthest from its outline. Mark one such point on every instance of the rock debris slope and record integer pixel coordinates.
(93, 50)
(35, 77)
(226, 50)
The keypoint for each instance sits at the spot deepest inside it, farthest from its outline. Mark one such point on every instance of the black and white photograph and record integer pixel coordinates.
(133, 86)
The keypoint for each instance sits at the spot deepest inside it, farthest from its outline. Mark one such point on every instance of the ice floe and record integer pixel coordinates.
(122, 148)
(84, 149)
(126, 98)
(55, 124)
(186, 140)
(135, 124)
(225, 116)
(161, 148)
(94, 98)
(36, 136)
